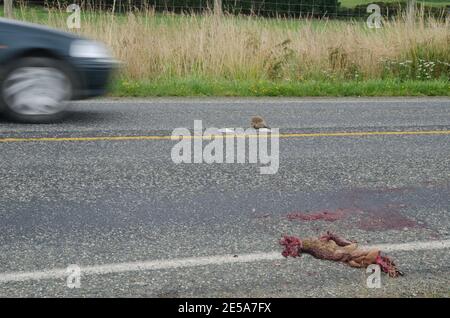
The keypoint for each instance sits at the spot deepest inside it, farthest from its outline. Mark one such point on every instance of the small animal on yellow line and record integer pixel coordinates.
(258, 122)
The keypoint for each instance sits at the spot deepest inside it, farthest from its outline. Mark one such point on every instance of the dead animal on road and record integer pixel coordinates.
(335, 248)
(258, 122)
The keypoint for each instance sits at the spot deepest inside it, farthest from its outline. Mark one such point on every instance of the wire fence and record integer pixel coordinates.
(343, 9)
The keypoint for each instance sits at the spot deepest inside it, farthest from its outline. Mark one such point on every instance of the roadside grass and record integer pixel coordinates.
(207, 55)
(353, 3)
(255, 49)
(205, 87)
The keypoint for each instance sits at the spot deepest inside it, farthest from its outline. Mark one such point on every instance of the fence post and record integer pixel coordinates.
(8, 9)
(218, 7)
(411, 10)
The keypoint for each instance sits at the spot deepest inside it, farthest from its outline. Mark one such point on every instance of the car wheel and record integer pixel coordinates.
(35, 90)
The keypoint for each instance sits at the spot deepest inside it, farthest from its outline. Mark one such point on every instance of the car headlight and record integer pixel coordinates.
(89, 49)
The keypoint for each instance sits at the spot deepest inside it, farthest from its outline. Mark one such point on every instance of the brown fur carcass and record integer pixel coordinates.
(335, 248)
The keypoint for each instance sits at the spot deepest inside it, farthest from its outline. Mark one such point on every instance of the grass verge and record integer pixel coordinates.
(209, 55)
(203, 87)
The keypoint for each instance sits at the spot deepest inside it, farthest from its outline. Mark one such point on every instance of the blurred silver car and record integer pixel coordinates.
(42, 68)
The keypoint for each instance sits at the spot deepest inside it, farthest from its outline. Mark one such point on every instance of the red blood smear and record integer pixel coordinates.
(386, 218)
(388, 266)
(325, 215)
(292, 246)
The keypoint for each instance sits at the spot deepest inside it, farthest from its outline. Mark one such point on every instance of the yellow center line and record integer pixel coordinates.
(286, 135)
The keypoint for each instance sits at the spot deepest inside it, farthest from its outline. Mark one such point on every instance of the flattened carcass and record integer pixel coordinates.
(336, 248)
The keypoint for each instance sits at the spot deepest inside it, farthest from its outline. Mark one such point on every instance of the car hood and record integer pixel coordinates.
(30, 28)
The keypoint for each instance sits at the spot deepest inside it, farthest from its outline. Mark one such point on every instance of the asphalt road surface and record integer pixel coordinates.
(138, 224)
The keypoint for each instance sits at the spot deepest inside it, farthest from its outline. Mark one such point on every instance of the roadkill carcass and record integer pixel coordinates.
(336, 248)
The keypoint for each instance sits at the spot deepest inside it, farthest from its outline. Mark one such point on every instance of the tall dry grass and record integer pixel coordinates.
(250, 48)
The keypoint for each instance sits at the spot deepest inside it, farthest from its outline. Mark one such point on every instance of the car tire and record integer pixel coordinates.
(35, 90)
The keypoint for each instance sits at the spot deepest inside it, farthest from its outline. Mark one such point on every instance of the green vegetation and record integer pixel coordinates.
(354, 3)
(189, 54)
(203, 87)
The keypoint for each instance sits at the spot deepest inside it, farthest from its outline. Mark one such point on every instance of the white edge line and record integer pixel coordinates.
(413, 246)
(265, 100)
(196, 261)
